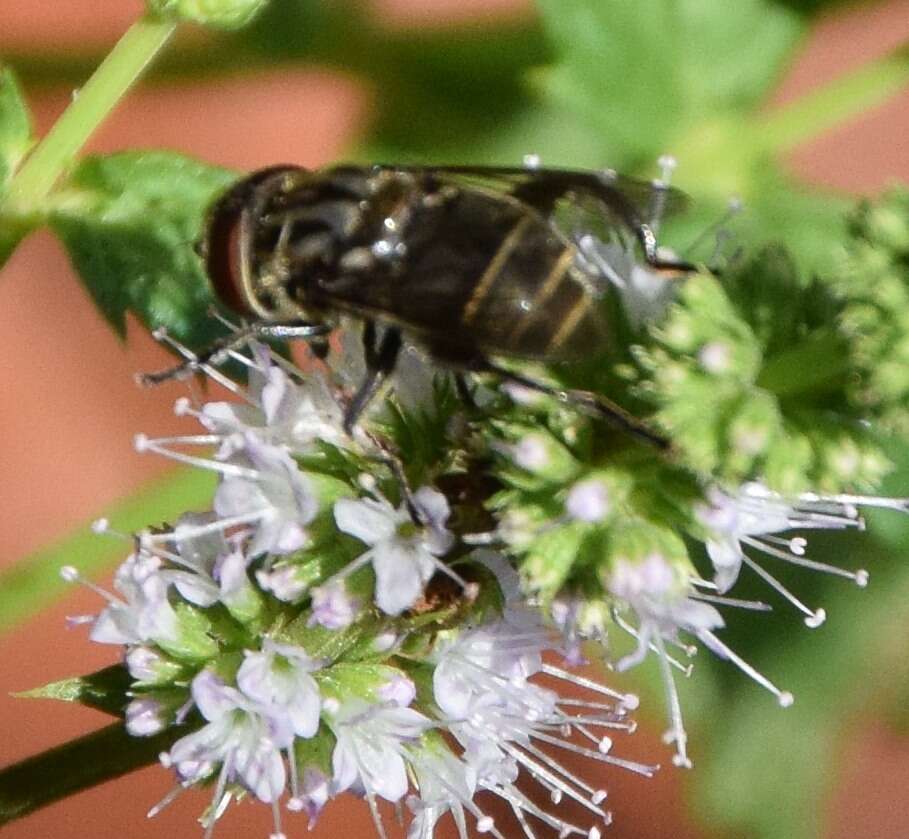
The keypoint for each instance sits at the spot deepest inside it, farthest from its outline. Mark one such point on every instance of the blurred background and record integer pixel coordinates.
(474, 81)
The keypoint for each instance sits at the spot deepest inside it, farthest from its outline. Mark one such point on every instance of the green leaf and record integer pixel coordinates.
(107, 690)
(15, 126)
(129, 222)
(642, 72)
(76, 766)
(34, 583)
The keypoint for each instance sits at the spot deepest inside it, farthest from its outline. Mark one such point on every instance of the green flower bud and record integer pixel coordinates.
(220, 14)
(634, 541)
(538, 454)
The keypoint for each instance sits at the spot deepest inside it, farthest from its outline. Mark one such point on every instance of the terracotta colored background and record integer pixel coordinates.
(69, 409)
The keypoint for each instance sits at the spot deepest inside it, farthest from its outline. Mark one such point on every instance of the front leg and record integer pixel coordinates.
(220, 350)
(380, 363)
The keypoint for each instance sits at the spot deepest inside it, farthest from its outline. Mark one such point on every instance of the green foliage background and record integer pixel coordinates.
(583, 83)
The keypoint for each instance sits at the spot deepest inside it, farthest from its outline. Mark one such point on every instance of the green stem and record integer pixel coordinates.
(836, 102)
(75, 766)
(94, 102)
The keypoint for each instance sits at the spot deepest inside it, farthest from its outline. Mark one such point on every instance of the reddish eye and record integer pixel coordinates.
(223, 258)
(225, 244)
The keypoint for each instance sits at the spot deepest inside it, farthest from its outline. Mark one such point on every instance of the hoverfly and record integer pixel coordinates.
(469, 262)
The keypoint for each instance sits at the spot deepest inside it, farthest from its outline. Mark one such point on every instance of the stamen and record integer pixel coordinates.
(813, 619)
(676, 733)
(603, 757)
(72, 621)
(467, 803)
(901, 505)
(636, 657)
(552, 780)
(163, 336)
(165, 802)
(70, 574)
(471, 590)
(276, 817)
(516, 798)
(148, 539)
(581, 681)
(347, 570)
(374, 812)
(553, 764)
(219, 798)
(522, 820)
(294, 775)
(668, 165)
(752, 605)
(797, 559)
(143, 444)
(784, 697)
(186, 440)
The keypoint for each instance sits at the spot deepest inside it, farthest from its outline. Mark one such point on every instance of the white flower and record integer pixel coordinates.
(665, 603)
(208, 568)
(149, 666)
(645, 292)
(403, 554)
(482, 684)
(244, 737)
(332, 606)
(263, 493)
(279, 410)
(313, 794)
(399, 690)
(146, 716)
(198, 550)
(279, 676)
(370, 749)
(277, 499)
(145, 614)
(751, 517)
(284, 582)
(445, 783)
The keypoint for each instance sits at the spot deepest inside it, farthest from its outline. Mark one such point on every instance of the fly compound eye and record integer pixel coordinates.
(226, 246)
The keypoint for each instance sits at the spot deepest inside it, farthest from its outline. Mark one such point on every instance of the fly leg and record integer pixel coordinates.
(380, 363)
(464, 392)
(591, 403)
(671, 268)
(221, 349)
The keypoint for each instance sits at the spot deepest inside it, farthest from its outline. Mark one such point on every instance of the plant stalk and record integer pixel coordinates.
(90, 105)
(76, 766)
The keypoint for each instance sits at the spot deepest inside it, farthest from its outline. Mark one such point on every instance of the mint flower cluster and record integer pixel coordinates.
(401, 613)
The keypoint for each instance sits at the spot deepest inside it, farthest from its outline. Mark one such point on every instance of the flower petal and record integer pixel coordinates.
(367, 520)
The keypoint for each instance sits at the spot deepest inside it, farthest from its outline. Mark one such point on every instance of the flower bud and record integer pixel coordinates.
(146, 717)
(220, 14)
(152, 667)
(542, 455)
(588, 501)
